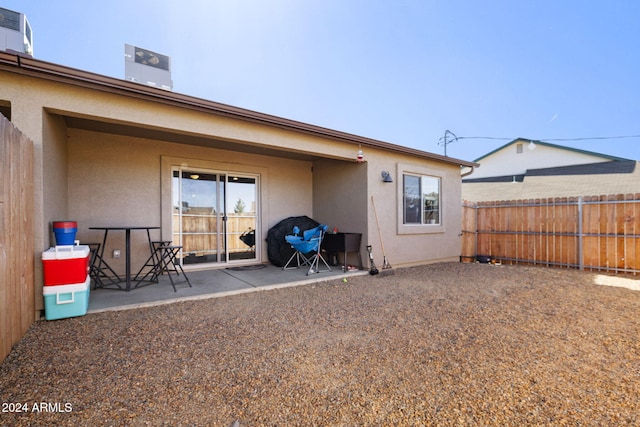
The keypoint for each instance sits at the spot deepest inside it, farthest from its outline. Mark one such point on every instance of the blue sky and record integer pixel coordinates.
(400, 71)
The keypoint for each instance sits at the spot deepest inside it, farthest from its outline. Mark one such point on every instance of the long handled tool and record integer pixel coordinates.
(385, 263)
(373, 269)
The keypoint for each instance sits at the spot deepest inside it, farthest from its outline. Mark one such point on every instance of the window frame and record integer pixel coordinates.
(421, 227)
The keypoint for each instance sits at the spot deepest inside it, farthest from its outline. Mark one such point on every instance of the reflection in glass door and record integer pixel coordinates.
(214, 216)
(242, 217)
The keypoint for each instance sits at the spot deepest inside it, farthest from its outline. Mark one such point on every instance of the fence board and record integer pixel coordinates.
(547, 231)
(17, 288)
(591, 242)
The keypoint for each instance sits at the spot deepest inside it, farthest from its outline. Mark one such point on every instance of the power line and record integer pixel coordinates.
(554, 139)
(592, 138)
(446, 141)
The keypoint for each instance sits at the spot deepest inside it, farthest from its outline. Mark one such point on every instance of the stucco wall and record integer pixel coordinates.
(114, 174)
(340, 192)
(345, 194)
(117, 180)
(410, 245)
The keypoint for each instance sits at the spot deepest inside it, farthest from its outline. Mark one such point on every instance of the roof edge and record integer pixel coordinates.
(51, 71)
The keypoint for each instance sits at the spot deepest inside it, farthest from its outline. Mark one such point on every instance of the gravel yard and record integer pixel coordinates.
(445, 344)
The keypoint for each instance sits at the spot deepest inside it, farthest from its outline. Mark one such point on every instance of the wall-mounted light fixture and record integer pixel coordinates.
(531, 146)
(386, 176)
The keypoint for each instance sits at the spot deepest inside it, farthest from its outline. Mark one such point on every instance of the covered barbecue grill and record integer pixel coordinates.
(278, 250)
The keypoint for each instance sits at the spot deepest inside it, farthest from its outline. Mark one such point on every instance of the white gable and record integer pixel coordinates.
(518, 156)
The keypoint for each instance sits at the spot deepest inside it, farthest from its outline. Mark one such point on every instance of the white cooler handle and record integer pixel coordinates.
(71, 301)
(76, 243)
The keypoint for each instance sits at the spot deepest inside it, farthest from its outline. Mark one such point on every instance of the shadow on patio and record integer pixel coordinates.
(209, 284)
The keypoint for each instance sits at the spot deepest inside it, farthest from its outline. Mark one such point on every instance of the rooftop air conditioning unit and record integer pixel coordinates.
(147, 67)
(15, 32)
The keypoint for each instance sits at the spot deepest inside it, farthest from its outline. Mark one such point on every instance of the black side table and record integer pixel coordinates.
(344, 243)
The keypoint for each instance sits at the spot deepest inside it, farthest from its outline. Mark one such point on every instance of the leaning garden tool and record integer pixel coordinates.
(373, 269)
(385, 263)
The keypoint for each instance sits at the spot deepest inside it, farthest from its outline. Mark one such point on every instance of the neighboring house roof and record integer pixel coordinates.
(546, 144)
(614, 167)
(26, 65)
(613, 177)
(522, 155)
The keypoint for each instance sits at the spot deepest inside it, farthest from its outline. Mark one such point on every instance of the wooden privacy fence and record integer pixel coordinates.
(200, 231)
(17, 299)
(594, 232)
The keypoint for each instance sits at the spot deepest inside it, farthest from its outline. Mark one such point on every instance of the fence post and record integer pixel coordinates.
(475, 232)
(580, 237)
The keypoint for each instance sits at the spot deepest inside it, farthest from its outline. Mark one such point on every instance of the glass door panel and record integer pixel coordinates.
(198, 222)
(214, 216)
(241, 217)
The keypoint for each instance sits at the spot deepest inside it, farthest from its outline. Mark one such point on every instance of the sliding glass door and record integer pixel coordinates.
(214, 216)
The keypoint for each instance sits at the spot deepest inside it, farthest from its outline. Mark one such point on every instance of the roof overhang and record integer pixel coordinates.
(29, 66)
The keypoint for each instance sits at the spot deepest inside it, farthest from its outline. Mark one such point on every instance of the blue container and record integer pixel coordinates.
(65, 232)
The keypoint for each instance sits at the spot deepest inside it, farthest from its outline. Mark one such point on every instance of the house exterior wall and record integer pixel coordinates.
(416, 243)
(131, 184)
(340, 191)
(104, 157)
(406, 245)
(344, 197)
(508, 161)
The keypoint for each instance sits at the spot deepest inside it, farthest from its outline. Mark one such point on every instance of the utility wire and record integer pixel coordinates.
(446, 141)
(553, 139)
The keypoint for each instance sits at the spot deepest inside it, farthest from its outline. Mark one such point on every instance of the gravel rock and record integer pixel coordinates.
(444, 344)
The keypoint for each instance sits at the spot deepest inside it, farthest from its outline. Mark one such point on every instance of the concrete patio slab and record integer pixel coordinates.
(213, 283)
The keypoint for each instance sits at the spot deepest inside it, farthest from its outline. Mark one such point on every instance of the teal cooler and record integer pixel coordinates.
(65, 232)
(61, 302)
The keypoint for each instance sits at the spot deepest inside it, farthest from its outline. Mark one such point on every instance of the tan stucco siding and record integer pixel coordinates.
(29, 96)
(423, 243)
(104, 157)
(116, 180)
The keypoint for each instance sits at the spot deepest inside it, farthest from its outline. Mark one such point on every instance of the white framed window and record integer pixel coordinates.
(421, 199)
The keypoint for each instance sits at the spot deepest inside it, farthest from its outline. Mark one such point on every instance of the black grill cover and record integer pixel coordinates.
(278, 250)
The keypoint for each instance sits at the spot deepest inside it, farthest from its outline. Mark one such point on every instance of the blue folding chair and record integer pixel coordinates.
(307, 249)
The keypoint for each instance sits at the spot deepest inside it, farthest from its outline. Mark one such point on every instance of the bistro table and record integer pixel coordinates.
(127, 246)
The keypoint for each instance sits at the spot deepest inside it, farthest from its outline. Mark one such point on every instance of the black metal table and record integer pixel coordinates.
(127, 247)
(343, 243)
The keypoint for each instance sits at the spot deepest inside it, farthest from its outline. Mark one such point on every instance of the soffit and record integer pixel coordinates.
(180, 138)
